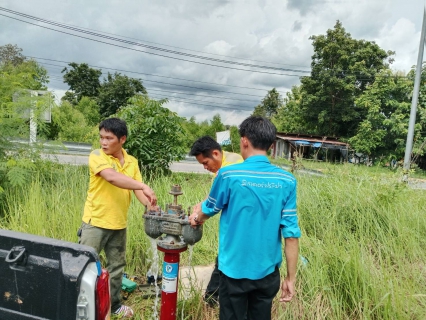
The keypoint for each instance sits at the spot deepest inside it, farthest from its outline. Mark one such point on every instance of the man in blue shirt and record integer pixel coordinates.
(209, 153)
(258, 203)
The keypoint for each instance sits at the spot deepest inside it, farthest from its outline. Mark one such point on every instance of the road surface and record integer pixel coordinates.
(182, 166)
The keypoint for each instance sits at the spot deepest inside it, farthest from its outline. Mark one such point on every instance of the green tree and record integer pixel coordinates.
(115, 91)
(205, 129)
(342, 68)
(216, 125)
(82, 80)
(155, 133)
(16, 83)
(289, 117)
(90, 110)
(192, 131)
(387, 103)
(11, 54)
(259, 111)
(270, 104)
(71, 124)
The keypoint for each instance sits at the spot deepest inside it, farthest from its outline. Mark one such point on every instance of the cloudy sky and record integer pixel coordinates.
(206, 56)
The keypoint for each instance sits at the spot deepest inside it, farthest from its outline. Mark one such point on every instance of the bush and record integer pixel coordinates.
(155, 133)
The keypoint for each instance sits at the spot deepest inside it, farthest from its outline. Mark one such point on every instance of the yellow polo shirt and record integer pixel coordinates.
(229, 158)
(107, 205)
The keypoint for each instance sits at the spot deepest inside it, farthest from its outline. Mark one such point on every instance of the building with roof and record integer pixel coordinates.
(309, 147)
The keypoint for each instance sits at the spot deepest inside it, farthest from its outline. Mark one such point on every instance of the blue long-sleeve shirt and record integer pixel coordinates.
(258, 203)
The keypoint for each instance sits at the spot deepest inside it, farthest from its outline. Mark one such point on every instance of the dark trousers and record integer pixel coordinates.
(212, 289)
(113, 242)
(242, 299)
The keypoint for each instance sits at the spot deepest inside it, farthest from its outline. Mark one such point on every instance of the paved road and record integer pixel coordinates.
(182, 166)
(191, 166)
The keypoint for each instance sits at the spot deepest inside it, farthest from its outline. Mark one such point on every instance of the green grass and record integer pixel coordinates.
(363, 234)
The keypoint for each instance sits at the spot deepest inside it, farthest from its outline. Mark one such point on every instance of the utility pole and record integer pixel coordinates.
(410, 134)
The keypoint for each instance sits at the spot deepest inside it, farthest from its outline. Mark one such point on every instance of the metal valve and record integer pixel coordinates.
(173, 223)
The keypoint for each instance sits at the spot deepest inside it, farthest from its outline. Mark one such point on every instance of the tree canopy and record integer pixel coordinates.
(289, 117)
(82, 80)
(110, 95)
(16, 82)
(115, 90)
(155, 133)
(11, 54)
(387, 103)
(18, 78)
(342, 68)
(269, 105)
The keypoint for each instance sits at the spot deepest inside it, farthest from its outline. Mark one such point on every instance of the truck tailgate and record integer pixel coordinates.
(40, 277)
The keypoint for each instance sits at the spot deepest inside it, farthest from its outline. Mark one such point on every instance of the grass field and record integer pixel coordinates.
(363, 239)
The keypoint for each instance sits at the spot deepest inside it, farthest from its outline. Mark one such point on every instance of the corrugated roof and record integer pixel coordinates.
(310, 138)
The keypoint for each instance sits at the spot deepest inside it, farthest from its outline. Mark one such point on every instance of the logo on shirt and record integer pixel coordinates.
(268, 185)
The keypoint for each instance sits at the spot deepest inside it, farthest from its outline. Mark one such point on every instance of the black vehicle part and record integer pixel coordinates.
(40, 277)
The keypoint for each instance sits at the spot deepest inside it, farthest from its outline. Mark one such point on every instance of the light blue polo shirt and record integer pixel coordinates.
(258, 203)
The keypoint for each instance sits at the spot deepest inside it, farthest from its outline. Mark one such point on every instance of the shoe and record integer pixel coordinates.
(124, 312)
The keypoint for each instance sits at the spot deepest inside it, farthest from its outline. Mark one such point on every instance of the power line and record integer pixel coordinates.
(184, 93)
(218, 84)
(180, 99)
(84, 30)
(195, 100)
(78, 29)
(148, 47)
(198, 104)
(200, 95)
(165, 45)
(142, 73)
(206, 89)
(201, 88)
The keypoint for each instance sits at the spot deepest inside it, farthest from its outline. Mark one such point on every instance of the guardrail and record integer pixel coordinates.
(76, 148)
(59, 147)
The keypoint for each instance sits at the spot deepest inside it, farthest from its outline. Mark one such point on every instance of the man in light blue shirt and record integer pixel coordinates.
(258, 203)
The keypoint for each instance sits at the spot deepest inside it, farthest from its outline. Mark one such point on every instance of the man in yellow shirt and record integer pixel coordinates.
(113, 174)
(210, 154)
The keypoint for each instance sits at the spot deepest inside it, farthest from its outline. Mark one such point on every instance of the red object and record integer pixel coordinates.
(168, 297)
(103, 300)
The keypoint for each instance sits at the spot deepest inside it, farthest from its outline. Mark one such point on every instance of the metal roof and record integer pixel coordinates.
(292, 137)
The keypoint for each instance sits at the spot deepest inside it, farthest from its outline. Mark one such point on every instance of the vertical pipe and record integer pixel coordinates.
(170, 283)
(410, 134)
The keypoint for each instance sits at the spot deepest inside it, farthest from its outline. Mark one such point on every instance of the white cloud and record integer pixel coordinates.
(403, 38)
(265, 32)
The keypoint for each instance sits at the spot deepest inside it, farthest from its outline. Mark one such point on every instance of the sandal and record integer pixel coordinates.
(124, 312)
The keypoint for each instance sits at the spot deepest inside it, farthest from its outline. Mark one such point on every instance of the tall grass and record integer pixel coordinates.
(363, 238)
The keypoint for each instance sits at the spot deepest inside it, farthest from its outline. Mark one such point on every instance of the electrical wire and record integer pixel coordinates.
(200, 95)
(78, 29)
(203, 89)
(148, 47)
(198, 104)
(174, 92)
(142, 73)
(186, 49)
